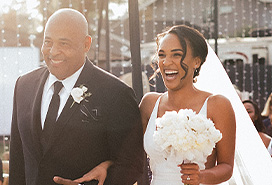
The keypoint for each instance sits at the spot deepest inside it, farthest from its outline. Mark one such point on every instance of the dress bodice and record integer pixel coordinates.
(164, 171)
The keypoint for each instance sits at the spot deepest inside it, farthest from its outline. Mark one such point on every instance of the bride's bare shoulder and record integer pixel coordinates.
(220, 108)
(149, 99)
(219, 100)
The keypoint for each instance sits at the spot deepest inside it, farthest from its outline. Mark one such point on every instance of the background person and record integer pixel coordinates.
(267, 114)
(255, 115)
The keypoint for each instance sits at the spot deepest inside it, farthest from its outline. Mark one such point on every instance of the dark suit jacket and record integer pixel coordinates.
(105, 127)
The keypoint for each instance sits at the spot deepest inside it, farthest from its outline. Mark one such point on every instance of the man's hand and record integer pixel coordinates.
(98, 173)
(60, 180)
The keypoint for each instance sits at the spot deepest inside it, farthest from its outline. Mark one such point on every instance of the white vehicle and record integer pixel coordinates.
(248, 50)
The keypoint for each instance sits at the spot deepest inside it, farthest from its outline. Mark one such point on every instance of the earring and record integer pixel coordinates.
(194, 80)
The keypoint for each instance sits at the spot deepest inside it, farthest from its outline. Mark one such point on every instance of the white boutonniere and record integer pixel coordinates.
(79, 94)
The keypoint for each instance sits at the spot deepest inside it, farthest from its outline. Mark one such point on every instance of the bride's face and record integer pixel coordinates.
(170, 53)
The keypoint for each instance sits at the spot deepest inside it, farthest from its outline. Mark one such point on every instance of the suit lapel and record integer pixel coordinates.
(36, 128)
(68, 111)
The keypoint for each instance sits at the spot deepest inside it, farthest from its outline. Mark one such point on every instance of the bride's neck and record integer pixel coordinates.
(182, 95)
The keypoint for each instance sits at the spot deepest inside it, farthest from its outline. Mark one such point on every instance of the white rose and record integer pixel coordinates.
(77, 94)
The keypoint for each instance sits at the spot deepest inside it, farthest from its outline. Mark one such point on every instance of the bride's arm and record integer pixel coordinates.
(222, 114)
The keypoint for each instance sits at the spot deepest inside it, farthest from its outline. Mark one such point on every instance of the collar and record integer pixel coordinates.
(68, 83)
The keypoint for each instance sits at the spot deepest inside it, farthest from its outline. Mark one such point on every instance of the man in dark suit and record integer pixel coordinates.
(95, 134)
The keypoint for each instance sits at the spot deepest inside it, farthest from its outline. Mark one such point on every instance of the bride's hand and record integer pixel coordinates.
(190, 173)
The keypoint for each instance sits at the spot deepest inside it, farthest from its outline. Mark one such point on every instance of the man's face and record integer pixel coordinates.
(63, 48)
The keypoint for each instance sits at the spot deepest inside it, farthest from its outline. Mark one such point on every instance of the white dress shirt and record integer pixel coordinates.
(64, 93)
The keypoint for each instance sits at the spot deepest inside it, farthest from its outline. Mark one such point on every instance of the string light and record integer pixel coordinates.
(84, 10)
(220, 33)
(155, 23)
(250, 14)
(18, 44)
(209, 19)
(59, 4)
(244, 77)
(236, 80)
(110, 42)
(257, 16)
(183, 11)
(70, 4)
(144, 57)
(164, 12)
(258, 84)
(18, 26)
(270, 12)
(174, 12)
(251, 78)
(264, 16)
(227, 67)
(201, 17)
(227, 22)
(266, 66)
(2, 30)
(45, 16)
(3, 76)
(243, 18)
(154, 7)
(143, 26)
(96, 18)
(235, 17)
(193, 14)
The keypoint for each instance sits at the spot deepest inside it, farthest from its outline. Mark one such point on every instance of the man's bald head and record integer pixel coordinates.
(70, 18)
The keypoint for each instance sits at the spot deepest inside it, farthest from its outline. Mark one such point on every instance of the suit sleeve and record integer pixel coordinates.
(16, 164)
(125, 138)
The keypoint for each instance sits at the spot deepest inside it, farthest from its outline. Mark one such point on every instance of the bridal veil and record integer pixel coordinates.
(253, 164)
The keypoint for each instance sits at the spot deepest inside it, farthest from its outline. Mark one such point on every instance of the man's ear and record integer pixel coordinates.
(88, 42)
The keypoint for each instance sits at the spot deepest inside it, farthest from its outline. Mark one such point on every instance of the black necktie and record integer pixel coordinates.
(51, 115)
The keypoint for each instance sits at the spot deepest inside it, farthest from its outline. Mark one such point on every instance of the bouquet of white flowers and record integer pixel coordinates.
(186, 136)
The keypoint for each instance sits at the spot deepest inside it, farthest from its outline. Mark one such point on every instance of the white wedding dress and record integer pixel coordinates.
(164, 171)
(252, 165)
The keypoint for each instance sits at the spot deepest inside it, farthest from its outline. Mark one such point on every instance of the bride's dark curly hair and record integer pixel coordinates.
(194, 38)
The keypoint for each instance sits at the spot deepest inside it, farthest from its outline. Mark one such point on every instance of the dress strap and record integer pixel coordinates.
(157, 103)
(151, 123)
(203, 110)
